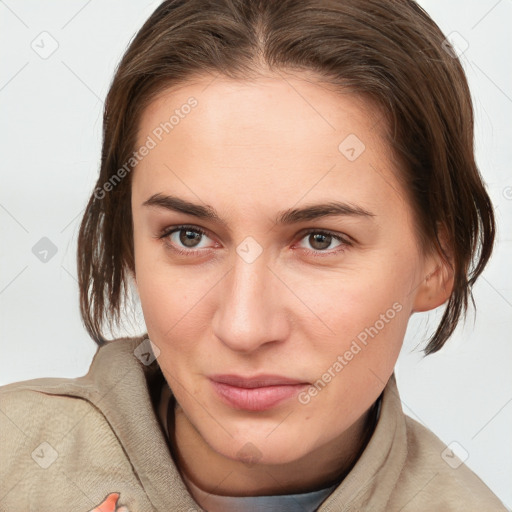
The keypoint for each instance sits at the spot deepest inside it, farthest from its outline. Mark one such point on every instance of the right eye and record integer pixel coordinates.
(183, 239)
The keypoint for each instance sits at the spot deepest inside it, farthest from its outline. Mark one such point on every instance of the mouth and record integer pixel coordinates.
(257, 393)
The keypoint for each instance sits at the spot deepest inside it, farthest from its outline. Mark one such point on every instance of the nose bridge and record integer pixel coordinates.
(244, 319)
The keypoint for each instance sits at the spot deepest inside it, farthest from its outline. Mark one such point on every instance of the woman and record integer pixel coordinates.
(284, 184)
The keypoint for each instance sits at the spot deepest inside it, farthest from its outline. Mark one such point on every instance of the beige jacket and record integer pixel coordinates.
(66, 444)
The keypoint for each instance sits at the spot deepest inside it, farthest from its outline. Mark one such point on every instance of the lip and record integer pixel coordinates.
(257, 393)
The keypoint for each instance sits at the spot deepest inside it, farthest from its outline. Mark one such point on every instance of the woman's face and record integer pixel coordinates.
(280, 310)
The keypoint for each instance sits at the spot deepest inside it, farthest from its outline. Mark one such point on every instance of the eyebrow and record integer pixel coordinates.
(285, 217)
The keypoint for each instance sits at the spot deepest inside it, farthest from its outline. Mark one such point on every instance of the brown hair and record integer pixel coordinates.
(387, 50)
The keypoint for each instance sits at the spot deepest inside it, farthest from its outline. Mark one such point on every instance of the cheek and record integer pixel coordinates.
(368, 336)
(352, 366)
(170, 324)
(162, 296)
(175, 305)
(367, 312)
(168, 308)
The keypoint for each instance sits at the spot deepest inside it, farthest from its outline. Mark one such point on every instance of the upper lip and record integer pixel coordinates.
(258, 381)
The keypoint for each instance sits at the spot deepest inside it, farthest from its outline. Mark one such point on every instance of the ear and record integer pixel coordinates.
(437, 285)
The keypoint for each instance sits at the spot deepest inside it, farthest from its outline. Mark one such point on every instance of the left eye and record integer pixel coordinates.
(321, 240)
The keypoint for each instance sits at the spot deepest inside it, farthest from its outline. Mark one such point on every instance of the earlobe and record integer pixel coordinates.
(435, 288)
(437, 285)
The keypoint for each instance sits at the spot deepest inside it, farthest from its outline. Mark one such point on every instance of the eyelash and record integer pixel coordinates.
(166, 232)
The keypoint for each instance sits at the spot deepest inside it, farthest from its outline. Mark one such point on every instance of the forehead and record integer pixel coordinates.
(279, 131)
(285, 105)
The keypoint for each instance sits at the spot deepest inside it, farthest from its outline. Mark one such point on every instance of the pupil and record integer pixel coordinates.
(187, 236)
(319, 237)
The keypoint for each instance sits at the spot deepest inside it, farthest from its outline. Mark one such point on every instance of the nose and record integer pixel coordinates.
(251, 311)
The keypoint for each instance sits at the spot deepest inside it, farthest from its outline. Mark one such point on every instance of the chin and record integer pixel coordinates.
(262, 450)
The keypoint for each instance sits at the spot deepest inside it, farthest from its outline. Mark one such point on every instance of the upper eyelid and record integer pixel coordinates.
(181, 227)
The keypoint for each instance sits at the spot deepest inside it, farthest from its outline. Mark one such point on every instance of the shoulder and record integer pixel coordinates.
(434, 478)
(55, 408)
(38, 419)
(48, 404)
(56, 446)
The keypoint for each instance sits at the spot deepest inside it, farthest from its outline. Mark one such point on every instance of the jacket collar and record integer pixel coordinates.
(125, 388)
(374, 476)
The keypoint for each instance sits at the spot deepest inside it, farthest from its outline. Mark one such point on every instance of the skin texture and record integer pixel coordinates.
(250, 150)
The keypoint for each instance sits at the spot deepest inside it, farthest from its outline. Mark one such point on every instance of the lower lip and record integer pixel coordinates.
(256, 399)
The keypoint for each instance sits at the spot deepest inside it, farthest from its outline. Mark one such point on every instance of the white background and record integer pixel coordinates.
(50, 149)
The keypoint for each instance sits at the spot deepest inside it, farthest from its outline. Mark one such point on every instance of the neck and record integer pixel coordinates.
(214, 473)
